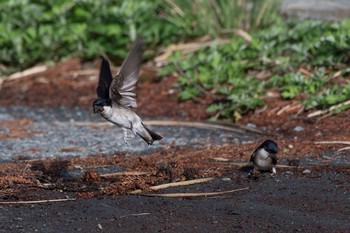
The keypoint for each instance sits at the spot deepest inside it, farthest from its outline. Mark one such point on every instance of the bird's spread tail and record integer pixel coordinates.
(155, 137)
(148, 136)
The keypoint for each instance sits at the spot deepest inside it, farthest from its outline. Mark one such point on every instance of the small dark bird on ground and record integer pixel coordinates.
(116, 96)
(264, 158)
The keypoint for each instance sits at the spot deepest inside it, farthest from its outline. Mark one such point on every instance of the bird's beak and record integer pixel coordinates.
(97, 109)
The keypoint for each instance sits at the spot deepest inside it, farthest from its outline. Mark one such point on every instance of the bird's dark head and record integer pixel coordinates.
(100, 104)
(270, 146)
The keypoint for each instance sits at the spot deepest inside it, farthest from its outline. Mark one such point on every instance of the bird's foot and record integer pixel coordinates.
(127, 137)
(273, 172)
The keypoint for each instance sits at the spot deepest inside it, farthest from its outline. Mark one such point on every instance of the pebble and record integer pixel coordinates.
(226, 179)
(306, 171)
(250, 125)
(298, 129)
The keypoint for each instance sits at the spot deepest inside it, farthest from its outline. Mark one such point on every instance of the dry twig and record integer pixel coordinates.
(192, 194)
(135, 173)
(344, 148)
(333, 142)
(38, 202)
(175, 184)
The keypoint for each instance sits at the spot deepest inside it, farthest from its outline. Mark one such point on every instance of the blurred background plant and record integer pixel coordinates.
(33, 31)
(303, 60)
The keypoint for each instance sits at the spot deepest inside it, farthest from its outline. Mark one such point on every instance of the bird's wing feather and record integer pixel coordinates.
(122, 89)
(105, 80)
(274, 158)
(253, 156)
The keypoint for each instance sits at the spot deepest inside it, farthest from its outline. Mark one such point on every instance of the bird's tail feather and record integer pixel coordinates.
(154, 136)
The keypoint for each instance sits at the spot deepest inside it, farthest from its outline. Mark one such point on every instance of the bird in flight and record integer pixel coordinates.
(116, 96)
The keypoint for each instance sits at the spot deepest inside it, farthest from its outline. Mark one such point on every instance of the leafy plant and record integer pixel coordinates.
(33, 31)
(225, 71)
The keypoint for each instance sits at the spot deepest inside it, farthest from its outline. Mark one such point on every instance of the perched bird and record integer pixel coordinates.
(264, 158)
(116, 96)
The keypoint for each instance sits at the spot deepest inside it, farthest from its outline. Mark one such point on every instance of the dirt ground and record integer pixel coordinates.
(310, 192)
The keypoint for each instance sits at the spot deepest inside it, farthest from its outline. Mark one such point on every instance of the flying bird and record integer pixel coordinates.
(116, 96)
(264, 158)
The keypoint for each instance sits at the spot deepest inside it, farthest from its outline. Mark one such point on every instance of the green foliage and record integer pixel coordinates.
(294, 83)
(225, 71)
(33, 31)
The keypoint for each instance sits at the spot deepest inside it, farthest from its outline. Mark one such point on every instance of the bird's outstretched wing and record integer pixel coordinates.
(123, 84)
(105, 80)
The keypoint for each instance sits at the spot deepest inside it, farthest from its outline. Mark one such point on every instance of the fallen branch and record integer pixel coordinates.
(175, 184)
(333, 142)
(192, 194)
(37, 202)
(136, 173)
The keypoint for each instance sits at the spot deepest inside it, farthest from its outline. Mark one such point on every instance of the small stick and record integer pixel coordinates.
(37, 202)
(136, 173)
(283, 109)
(333, 142)
(140, 214)
(192, 194)
(25, 73)
(345, 148)
(175, 184)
